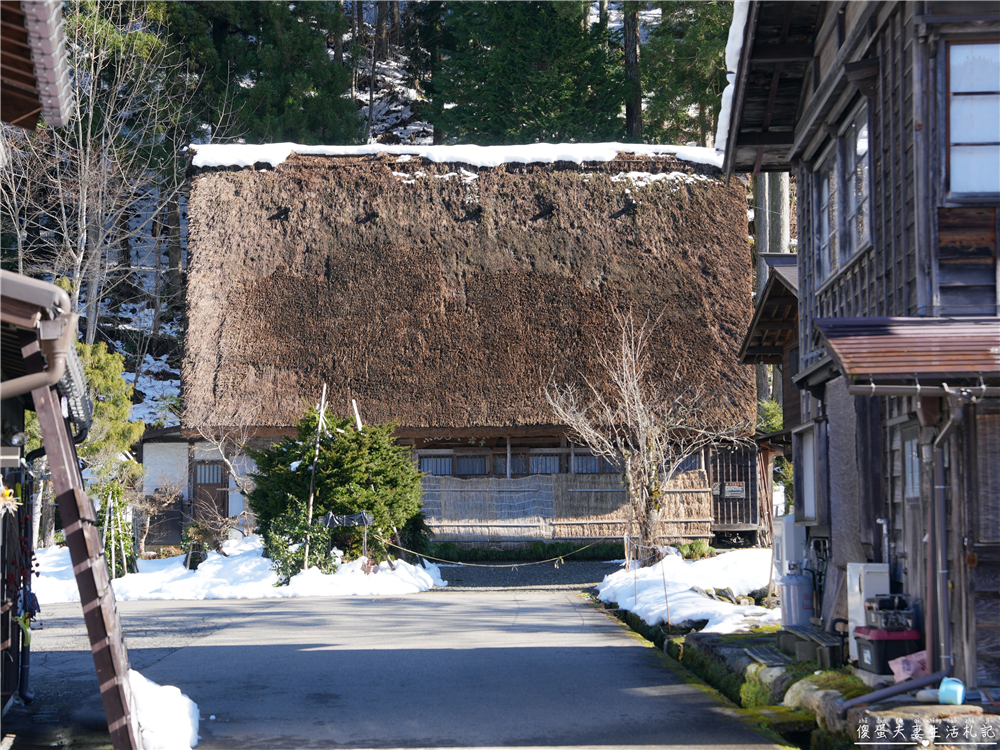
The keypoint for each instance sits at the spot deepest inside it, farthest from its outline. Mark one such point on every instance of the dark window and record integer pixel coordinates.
(518, 464)
(471, 465)
(436, 465)
(586, 465)
(543, 464)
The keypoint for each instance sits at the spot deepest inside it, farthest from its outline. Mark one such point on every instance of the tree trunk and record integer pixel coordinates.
(94, 283)
(338, 37)
(602, 14)
(141, 532)
(371, 91)
(778, 214)
(397, 24)
(382, 30)
(633, 83)
(175, 249)
(47, 521)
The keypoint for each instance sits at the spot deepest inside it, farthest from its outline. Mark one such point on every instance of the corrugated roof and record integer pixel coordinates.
(908, 348)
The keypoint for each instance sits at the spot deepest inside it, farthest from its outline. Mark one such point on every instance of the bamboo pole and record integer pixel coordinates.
(312, 476)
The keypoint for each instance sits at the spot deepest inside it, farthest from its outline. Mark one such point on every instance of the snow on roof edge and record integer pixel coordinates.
(734, 49)
(244, 155)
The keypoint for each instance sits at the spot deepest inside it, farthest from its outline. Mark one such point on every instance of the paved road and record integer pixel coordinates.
(447, 668)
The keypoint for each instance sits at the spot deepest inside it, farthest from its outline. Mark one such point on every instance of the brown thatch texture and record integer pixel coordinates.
(437, 300)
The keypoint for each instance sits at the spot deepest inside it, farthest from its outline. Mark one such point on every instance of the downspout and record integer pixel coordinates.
(940, 583)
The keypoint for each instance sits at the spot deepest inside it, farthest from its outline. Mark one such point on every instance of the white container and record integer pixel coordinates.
(864, 581)
(796, 600)
(789, 546)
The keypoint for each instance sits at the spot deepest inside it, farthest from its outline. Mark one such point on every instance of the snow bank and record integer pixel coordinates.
(245, 155)
(734, 49)
(168, 719)
(642, 591)
(243, 574)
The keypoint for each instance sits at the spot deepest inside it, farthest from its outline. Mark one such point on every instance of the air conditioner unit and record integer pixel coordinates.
(789, 546)
(864, 581)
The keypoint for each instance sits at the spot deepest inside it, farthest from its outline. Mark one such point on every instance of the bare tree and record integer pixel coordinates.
(230, 443)
(82, 183)
(646, 426)
(146, 507)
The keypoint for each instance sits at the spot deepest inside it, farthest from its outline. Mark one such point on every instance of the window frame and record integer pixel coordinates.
(827, 261)
(848, 246)
(809, 446)
(953, 197)
(849, 240)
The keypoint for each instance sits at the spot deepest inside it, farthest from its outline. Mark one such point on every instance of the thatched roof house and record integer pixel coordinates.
(443, 293)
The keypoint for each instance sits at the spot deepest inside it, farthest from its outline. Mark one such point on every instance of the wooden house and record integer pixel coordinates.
(443, 288)
(889, 113)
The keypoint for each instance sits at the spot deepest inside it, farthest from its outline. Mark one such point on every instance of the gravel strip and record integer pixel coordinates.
(575, 575)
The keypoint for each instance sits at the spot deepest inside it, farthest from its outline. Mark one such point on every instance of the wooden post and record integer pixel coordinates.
(96, 594)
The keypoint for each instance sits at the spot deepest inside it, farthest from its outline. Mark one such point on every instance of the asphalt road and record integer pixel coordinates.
(464, 667)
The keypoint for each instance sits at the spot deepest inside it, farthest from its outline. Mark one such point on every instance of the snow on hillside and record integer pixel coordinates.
(242, 574)
(662, 593)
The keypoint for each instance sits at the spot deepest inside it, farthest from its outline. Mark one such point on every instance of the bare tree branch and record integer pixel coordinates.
(645, 425)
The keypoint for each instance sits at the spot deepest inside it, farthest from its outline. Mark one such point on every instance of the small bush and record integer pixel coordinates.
(285, 545)
(696, 550)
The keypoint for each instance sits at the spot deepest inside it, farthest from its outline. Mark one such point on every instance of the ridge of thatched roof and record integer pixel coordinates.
(274, 154)
(443, 295)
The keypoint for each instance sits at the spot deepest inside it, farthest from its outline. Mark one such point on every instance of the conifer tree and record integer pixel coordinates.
(526, 72)
(289, 86)
(684, 69)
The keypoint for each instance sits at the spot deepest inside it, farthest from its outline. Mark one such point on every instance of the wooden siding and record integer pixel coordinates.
(881, 280)
(967, 261)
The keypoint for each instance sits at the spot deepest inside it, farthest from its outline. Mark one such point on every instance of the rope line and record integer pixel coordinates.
(557, 560)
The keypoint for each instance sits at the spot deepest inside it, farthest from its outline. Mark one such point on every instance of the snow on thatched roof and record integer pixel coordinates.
(441, 293)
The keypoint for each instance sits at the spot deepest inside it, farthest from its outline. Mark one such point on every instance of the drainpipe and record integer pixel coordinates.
(884, 523)
(939, 585)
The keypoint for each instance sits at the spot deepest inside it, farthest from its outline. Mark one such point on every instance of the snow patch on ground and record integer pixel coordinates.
(649, 591)
(245, 155)
(167, 718)
(240, 574)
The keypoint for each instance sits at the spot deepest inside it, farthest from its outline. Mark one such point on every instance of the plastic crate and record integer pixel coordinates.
(877, 647)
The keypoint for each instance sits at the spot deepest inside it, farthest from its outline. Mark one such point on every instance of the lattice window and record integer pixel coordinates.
(988, 469)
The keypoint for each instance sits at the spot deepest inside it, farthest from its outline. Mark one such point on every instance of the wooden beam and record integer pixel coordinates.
(777, 53)
(764, 351)
(769, 138)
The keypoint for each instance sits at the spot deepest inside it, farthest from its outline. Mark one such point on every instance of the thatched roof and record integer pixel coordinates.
(445, 295)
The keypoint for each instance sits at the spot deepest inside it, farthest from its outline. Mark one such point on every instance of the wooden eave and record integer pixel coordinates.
(20, 103)
(911, 350)
(775, 322)
(776, 57)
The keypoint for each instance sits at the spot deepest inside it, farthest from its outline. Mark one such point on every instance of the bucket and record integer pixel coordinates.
(951, 692)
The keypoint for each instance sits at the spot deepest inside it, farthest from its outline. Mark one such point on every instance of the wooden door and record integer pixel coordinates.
(211, 490)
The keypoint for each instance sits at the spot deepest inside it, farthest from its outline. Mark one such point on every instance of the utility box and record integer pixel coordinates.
(864, 581)
(789, 546)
